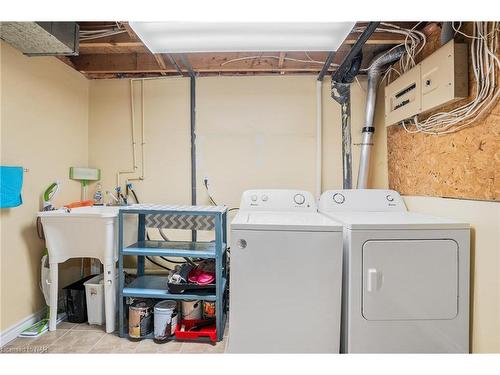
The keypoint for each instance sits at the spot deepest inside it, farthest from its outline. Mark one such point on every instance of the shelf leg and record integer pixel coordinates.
(219, 233)
(121, 276)
(141, 236)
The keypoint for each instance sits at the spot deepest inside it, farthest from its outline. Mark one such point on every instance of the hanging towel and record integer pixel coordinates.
(11, 182)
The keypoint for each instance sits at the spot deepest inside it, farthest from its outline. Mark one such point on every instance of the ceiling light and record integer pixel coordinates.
(178, 37)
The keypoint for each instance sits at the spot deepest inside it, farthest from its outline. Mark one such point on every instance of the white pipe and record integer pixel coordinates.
(134, 157)
(319, 146)
(143, 139)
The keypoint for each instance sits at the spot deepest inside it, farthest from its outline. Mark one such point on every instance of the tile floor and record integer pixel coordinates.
(85, 338)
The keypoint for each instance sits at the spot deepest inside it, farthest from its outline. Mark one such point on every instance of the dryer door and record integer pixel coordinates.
(410, 279)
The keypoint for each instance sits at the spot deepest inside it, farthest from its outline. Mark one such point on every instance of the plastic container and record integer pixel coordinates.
(194, 329)
(140, 319)
(75, 301)
(94, 293)
(208, 309)
(165, 320)
(191, 310)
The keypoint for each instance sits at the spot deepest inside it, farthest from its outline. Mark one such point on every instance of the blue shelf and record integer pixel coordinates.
(173, 249)
(151, 286)
(154, 286)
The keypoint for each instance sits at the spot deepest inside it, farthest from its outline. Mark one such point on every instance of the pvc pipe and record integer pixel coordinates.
(143, 138)
(319, 146)
(132, 112)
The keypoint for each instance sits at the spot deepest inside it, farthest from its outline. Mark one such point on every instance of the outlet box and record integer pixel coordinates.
(440, 79)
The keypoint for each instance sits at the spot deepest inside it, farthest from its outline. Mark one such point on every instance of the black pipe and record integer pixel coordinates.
(325, 68)
(193, 145)
(174, 63)
(341, 72)
(341, 92)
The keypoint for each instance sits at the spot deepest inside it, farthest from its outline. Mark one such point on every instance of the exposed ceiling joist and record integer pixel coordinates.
(124, 55)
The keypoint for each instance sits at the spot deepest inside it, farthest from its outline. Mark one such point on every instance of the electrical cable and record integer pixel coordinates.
(485, 64)
(39, 228)
(158, 264)
(275, 57)
(205, 182)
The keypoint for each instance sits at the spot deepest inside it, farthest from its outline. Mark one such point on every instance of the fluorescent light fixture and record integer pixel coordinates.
(179, 37)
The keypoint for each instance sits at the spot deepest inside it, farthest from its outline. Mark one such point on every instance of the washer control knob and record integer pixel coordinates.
(253, 198)
(299, 198)
(264, 198)
(338, 198)
(390, 198)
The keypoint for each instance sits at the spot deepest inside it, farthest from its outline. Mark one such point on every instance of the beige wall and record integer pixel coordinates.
(252, 132)
(44, 125)
(485, 242)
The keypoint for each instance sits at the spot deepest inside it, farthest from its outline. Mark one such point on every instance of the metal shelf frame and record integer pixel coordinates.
(152, 286)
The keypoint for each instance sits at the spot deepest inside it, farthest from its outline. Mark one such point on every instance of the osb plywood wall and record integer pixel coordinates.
(465, 164)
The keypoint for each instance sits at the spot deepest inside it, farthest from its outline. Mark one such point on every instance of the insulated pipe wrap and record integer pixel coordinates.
(374, 72)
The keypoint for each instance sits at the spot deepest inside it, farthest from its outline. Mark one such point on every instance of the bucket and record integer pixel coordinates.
(165, 318)
(140, 322)
(191, 310)
(208, 309)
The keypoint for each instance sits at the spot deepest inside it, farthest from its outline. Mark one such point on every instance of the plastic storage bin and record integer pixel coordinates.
(94, 293)
(194, 329)
(75, 301)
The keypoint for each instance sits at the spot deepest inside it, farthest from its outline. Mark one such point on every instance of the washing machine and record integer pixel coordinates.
(285, 276)
(405, 275)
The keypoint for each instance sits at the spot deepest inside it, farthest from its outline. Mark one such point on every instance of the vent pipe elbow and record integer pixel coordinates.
(374, 72)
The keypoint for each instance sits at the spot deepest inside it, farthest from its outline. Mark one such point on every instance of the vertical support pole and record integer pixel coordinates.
(218, 276)
(346, 145)
(141, 236)
(192, 85)
(121, 276)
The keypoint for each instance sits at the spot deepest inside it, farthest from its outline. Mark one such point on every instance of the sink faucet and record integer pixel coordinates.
(117, 201)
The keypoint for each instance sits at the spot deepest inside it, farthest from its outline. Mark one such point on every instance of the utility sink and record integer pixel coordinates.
(86, 232)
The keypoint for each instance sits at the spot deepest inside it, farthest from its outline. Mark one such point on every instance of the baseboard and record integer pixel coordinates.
(13, 331)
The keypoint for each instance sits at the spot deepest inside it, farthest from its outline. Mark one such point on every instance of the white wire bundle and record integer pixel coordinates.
(310, 60)
(485, 64)
(95, 34)
(414, 43)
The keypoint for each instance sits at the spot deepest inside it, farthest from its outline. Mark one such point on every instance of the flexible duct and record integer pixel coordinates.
(374, 72)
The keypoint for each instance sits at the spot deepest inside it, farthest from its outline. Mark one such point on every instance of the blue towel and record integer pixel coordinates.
(11, 182)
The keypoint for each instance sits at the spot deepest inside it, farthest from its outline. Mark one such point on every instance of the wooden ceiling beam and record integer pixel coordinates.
(161, 62)
(123, 44)
(281, 61)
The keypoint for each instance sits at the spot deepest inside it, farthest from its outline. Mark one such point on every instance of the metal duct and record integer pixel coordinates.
(374, 73)
(42, 38)
(447, 32)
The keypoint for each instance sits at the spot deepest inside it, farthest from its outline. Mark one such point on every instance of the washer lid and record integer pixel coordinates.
(394, 220)
(311, 222)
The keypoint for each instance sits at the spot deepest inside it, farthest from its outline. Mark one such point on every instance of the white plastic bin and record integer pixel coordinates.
(94, 294)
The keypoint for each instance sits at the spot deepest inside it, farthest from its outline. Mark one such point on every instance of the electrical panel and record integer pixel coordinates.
(439, 79)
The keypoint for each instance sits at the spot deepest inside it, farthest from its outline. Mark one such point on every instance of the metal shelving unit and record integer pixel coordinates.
(174, 217)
